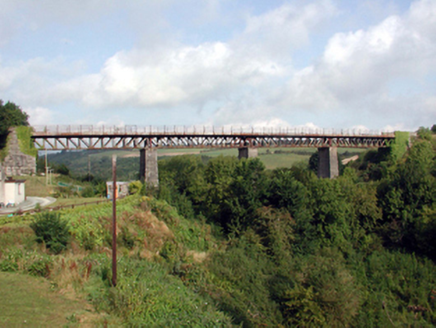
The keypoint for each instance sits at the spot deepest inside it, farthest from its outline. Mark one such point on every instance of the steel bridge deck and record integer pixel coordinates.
(71, 138)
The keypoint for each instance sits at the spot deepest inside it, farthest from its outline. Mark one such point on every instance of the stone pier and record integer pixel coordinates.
(148, 170)
(246, 152)
(16, 162)
(328, 166)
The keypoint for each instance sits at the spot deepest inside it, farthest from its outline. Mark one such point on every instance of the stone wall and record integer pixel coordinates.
(17, 163)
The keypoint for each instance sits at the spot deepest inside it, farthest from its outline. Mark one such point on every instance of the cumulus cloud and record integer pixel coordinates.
(278, 32)
(361, 67)
(39, 115)
(36, 81)
(247, 78)
(196, 75)
(185, 75)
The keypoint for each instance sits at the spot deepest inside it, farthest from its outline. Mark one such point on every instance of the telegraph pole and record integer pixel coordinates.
(114, 220)
(46, 169)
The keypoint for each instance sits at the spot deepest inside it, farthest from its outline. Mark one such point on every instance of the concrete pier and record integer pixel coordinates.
(148, 169)
(328, 166)
(245, 152)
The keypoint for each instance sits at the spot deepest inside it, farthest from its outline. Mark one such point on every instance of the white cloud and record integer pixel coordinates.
(36, 81)
(39, 115)
(370, 74)
(185, 75)
(358, 68)
(277, 33)
(396, 127)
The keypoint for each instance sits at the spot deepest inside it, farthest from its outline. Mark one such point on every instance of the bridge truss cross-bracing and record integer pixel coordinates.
(89, 137)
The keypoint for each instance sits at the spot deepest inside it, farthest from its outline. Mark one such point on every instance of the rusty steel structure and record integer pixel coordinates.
(128, 137)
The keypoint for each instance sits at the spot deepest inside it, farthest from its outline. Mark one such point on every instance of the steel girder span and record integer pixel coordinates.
(66, 141)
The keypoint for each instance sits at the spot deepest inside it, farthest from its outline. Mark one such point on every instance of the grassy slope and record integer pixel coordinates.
(75, 201)
(164, 246)
(35, 186)
(170, 300)
(28, 301)
(25, 142)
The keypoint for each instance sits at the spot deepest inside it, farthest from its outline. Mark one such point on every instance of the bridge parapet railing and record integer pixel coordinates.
(49, 130)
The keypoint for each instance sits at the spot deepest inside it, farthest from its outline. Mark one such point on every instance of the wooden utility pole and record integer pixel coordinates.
(46, 169)
(114, 220)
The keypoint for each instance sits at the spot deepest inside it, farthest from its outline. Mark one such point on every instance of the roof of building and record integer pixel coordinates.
(15, 181)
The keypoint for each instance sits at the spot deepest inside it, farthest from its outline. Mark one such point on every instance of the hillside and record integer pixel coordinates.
(229, 243)
(98, 162)
(174, 272)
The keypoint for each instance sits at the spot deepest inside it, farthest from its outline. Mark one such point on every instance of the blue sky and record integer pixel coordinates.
(324, 63)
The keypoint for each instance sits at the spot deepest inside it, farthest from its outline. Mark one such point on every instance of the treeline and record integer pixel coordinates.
(302, 251)
(93, 163)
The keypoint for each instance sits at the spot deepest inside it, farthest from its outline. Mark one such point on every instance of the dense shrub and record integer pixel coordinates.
(51, 230)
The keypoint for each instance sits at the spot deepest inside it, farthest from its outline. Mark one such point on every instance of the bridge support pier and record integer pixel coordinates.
(246, 152)
(328, 166)
(148, 171)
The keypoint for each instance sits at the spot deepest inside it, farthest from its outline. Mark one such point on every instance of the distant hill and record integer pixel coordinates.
(100, 162)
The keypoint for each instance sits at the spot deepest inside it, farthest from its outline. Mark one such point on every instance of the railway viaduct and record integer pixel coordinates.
(149, 139)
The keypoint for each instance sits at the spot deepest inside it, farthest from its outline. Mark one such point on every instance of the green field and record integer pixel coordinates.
(36, 186)
(128, 160)
(75, 201)
(28, 301)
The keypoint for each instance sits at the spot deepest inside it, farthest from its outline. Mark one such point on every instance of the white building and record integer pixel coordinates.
(12, 192)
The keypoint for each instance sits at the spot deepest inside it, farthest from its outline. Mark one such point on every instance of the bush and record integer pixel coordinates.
(88, 192)
(40, 267)
(135, 187)
(8, 266)
(51, 230)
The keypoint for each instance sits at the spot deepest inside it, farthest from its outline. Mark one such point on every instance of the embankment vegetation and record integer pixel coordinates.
(230, 243)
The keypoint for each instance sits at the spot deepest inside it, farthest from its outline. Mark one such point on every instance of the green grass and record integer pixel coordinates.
(162, 152)
(25, 142)
(36, 186)
(28, 301)
(273, 161)
(109, 153)
(75, 201)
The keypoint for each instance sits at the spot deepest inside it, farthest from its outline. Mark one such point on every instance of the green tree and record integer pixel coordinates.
(247, 193)
(287, 192)
(10, 115)
(407, 198)
(313, 162)
(218, 174)
(424, 133)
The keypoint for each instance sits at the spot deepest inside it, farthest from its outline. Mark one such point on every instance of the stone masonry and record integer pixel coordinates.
(148, 168)
(17, 163)
(246, 152)
(328, 166)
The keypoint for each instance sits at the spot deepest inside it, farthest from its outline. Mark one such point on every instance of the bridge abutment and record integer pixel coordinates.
(328, 165)
(246, 152)
(148, 169)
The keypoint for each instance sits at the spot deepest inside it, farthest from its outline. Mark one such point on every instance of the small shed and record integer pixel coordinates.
(14, 192)
(122, 189)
